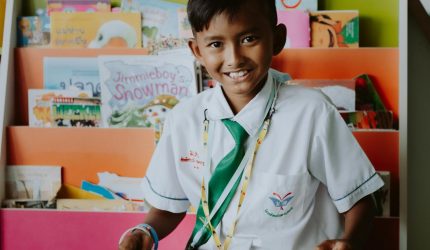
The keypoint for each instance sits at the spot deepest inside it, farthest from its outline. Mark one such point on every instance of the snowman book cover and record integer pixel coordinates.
(138, 91)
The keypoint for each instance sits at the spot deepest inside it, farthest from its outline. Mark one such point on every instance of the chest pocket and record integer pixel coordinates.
(275, 201)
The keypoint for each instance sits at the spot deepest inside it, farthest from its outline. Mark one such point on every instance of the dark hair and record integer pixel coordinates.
(201, 12)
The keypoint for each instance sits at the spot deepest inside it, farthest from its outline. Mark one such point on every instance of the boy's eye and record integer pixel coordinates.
(214, 44)
(249, 39)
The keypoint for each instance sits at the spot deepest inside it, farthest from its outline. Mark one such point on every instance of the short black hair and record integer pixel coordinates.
(201, 12)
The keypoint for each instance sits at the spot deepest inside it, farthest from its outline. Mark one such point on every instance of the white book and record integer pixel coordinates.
(32, 182)
(40, 105)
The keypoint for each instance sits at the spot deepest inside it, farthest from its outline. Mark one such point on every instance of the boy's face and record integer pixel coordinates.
(238, 52)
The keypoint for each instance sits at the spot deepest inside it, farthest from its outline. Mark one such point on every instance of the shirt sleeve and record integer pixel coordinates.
(339, 162)
(161, 186)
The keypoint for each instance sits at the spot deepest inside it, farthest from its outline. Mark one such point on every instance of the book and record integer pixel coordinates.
(335, 28)
(101, 205)
(308, 5)
(95, 30)
(64, 73)
(138, 91)
(382, 195)
(298, 28)
(33, 31)
(76, 112)
(78, 6)
(164, 23)
(32, 182)
(362, 119)
(40, 105)
(340, 91)
(367, 95)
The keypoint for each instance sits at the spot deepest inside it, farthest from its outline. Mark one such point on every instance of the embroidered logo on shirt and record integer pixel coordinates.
(280, 205)
(193, 158)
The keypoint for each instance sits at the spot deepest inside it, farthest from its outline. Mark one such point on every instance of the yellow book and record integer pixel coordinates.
(95, 30)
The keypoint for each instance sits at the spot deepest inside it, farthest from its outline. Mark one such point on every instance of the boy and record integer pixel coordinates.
(268, 166)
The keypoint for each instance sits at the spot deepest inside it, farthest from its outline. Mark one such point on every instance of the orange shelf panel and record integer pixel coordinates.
(29, 70)
(83, 152)
(382, 149)
(380, 63)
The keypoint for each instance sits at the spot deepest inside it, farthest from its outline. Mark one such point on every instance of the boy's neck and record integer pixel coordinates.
(238, 102)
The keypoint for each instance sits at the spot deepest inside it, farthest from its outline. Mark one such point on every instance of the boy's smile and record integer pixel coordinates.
(237, 52)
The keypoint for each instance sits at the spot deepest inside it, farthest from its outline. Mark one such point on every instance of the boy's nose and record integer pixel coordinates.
(233, 56)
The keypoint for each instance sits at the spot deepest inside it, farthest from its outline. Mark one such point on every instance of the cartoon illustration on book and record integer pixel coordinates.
(156, 110)
(334, 29)
(115, 33)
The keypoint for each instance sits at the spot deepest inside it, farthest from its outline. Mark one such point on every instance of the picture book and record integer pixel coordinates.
(298, 28)
(340, 91)
(40, 105)
(138, 91)
(95, 30)
(335, 28)
(33, 31)
(80, 73)
(76, 112)
(308, 5)
(164, 23)
(32, 182)
(382, 196)
(362, 119)
(367, 95)
(78, 6)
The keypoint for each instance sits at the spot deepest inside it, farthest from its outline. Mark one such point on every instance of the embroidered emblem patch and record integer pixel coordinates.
(193, 158)
(280, 205)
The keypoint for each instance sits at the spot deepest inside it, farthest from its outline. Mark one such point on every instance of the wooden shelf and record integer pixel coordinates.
(29, 70)
(382, 64)
(83, 152)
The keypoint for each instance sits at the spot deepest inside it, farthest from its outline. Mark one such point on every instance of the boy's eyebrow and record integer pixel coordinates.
(220, 37)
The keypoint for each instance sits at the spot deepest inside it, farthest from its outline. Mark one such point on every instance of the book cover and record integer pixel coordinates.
(78, 6)
(308, 5)
(382, 196)
(32, 182)
(340, 91)
(298, 28)
(367, 95)
(164, 23)
(335, 28)
(362, 119)
(33, 31)
(64, 73)
(138, 91)
(40, 105)
(95, 30)
(76, 112)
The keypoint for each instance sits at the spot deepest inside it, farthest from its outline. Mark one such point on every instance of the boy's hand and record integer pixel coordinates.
(136, 240)
(335, 245)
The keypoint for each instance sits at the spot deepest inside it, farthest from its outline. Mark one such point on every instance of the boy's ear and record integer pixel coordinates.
(279, 38)
(192, 44)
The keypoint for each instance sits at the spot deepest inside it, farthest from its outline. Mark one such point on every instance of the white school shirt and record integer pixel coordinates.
(308, 169)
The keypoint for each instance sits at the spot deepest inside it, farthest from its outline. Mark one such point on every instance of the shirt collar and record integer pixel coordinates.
(251, 117)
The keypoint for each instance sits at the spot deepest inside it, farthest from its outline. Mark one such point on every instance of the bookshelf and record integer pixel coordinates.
(89, 151)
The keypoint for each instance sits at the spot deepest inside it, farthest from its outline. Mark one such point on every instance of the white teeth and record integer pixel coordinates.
(237, 74)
